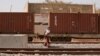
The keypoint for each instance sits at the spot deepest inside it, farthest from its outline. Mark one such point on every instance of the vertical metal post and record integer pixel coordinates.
(11, 6)
(94, 6)
(26, 9)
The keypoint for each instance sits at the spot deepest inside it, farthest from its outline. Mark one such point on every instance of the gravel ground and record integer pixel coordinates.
(3, 54)
(65, 46)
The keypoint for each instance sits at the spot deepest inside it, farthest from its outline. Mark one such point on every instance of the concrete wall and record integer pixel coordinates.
(13, 40)
(40, 29)
(43, 19)
(85, 40)
(65, 8)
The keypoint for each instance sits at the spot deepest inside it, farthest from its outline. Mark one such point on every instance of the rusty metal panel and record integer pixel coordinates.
(64, 23)
(87, 23)
(73, 23)
(99, 23)
(22, 23)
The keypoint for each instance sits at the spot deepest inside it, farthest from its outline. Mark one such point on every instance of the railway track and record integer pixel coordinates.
(76, 51)
(71, 42)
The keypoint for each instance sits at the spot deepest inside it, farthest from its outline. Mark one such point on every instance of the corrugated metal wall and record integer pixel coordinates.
(63, 23)
(88, 23)
(99, 23)
(73, 23)
(22, 23)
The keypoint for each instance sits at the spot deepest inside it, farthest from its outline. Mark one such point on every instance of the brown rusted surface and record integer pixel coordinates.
(16, 23)
(63, 23)
(73, 23)
(99, 23)
(87, 23)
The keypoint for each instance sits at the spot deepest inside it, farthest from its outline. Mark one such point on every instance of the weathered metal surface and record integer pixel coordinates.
(73, 23)
(16, 23)
(99, 23)
(88, 23)
(63, 23)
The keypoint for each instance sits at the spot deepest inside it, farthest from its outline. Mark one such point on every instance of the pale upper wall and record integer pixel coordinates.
(65, 8)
